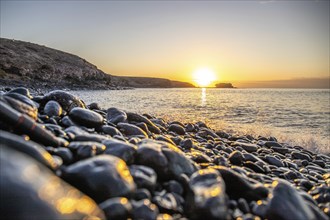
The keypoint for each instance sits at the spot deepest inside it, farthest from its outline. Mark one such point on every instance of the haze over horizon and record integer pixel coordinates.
(251, 44)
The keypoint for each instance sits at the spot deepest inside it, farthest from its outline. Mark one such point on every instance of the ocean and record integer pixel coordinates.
(295, 116)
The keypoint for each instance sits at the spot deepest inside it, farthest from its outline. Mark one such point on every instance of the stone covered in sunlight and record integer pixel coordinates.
(31, 191)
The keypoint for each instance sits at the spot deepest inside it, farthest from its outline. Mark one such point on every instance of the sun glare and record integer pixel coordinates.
(204, 77)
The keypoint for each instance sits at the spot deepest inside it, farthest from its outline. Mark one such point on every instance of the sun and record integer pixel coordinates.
(203, 77)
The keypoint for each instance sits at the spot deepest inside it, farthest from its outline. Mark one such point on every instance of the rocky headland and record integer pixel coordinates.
(224, 85)
(39, 67)
(62, 158)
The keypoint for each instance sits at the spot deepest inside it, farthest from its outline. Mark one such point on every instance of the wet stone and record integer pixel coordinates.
(272, 144)
(165, 158)
(107, 129)
(23, 99)
(86, 117)
(238, 186)
(174, 187)
(22, 91)
(65, 99)
(94, 106)
(199, 157)
(177, 129)
(62, 152)
(131, 130)
(86, 149)
(115, 115)
(30, 148)
(19, 106)
(167, 203)
(300, 156)
(90, 137)
(121, 149)
(142, 119)
(248, 147)
(52, 108)
(67, 122)
(274, 161)
(259, 208)
(30, 190)
(144, 209)
(116, 208)
(144, 177)
(207, 199)
(243, 205)
(287, 204)
(101, 177)
(255, 167)
(280, 150)
(236, 158)
(141, 194)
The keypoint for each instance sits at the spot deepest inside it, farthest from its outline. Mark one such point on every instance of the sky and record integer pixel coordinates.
(248, 43)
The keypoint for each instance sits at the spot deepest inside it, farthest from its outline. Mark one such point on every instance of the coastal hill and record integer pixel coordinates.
(36, 66)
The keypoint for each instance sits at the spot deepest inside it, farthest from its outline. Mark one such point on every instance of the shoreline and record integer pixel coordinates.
(171, 169)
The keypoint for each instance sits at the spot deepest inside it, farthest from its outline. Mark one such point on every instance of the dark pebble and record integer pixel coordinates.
(86, 117)
(115, 115)
(102, 177)
(116, 208)
(177, 129)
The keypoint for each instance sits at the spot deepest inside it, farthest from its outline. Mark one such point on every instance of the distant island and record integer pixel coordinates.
(224, 85)
(36, 66)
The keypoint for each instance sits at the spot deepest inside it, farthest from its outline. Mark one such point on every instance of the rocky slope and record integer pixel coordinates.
(36, 66)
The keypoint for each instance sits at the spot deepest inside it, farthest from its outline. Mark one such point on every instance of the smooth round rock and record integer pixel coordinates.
(144, 177)
(116, 208)
(30, 191)
(238, 186)
(167, 160)
(101, 177)
(27, 147)
(236, 158)
(107, 129)
(208, 198)
(167, 203)
(140, 118)
(274, 161)
(246, 146)
(21, 90)
(131, 130)
(286, 203)
(115, 115)
(65, 99)
(86, 117)
(177, 129)
(121, 149)
(86, 149)
(52, 108)
(144, 209)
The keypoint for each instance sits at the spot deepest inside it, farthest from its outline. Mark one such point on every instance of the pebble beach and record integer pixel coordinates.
(62, 158)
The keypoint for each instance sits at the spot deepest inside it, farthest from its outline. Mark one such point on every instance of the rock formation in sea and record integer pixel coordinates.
(224, 85)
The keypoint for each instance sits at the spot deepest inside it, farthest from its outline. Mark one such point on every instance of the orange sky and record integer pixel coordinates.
(244, 42)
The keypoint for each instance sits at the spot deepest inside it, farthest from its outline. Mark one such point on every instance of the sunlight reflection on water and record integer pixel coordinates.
(203, 97)
(293, 112)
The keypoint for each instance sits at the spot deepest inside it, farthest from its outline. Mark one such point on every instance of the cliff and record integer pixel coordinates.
(35, 66)
(32, 65)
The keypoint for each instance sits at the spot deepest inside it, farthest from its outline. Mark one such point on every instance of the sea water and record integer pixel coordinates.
(297, 116)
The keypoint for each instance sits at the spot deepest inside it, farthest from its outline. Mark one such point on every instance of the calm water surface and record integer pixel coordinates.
(297, 113)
